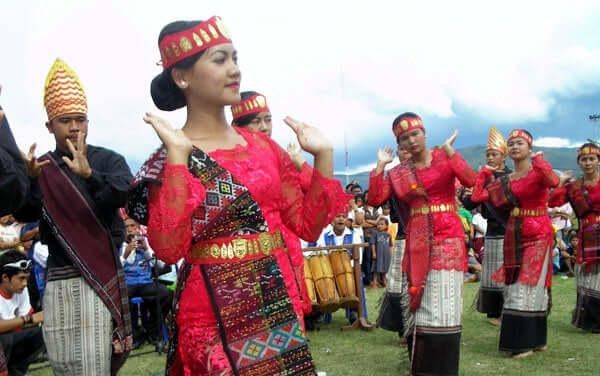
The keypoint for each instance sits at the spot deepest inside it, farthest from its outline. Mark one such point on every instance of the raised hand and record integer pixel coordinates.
(540, 153)
(34, 167)
(447, 146)
(178, 145)
(565, 177)
(79, 165)
(311, 139)
(385, 155)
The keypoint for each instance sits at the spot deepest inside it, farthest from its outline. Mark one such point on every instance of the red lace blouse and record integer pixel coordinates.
(272, 179)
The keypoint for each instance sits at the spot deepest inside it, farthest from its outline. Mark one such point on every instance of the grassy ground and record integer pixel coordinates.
(571, 352)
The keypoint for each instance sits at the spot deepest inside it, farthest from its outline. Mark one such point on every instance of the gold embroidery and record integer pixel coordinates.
(185, 44)
(197, 39)
(213, 31)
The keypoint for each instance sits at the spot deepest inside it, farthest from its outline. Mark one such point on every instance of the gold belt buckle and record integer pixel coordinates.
(515, 212)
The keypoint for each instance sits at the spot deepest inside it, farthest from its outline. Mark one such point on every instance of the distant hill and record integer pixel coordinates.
(560, 158)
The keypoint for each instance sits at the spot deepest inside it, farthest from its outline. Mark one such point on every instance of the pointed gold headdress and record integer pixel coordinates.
(496, 142)
(63, 92)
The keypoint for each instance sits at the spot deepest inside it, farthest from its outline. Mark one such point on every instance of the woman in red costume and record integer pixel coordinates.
(218, 197)
(528, 242)
(435, 259)
(584, 196)
(254, 113)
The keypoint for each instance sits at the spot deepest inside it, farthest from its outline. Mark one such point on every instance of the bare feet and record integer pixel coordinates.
(542, 348)
(495, 322)
(522, 355)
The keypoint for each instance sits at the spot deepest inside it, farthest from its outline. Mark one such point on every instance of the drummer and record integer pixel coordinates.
(339, 234)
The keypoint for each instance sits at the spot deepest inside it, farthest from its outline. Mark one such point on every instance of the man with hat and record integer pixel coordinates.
(76, 196)
(490, 299)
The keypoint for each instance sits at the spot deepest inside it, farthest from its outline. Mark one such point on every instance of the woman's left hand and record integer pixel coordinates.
(447, 146)
(311, 139)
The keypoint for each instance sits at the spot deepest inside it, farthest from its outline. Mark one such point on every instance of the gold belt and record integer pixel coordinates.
(519, 212)
(426, 209)
(246, 246)
(586, 221)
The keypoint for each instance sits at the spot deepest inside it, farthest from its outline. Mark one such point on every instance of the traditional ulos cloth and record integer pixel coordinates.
(585, 200)
(86, 305)
(527, 272)
(393, 312)
(435, 258)
(490, 297)
(234, 310)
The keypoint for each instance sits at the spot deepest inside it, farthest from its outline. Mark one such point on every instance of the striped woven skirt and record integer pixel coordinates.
(524, 326)
(77, 328)
(436, 326)
(393, 311)
(587, 311)
(491, 293)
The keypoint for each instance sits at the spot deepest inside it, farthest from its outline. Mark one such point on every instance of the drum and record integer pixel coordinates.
(344, 278)
(310, 285)
(322, 273)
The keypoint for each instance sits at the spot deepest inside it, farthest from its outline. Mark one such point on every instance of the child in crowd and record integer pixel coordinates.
(381, 252)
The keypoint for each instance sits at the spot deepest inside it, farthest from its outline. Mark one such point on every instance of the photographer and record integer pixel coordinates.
(138, 260)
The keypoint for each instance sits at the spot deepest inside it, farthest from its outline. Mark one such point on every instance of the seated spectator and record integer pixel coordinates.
(567, 257)
(480, 228)
(20, 333)
(38, 253)
(9, 233)
(474, 267)
(137, 260)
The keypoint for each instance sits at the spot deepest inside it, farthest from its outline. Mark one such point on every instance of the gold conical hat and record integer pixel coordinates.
(496, 141)
(63, 92)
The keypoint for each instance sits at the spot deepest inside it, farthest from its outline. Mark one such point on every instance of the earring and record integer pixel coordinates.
(183, 83)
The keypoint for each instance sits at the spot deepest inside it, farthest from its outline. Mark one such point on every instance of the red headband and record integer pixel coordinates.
(519, 133)
(406, 125)
(253, 105)
(588, 150)
(178, 46)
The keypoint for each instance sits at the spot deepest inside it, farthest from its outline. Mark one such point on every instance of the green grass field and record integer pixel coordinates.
(379, 352)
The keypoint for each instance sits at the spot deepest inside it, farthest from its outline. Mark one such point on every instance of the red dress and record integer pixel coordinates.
(274, 183)
(437, 181)
(534, 233)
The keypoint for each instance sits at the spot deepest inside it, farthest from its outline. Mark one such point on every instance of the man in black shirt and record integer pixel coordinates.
(14, 183)
(76, 196)
(491, 298)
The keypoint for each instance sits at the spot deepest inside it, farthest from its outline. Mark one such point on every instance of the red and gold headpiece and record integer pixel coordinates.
(63, 92)
(588, 150)
(496, 142)
(178, 46)
(407, 124)
(519, 133)
(253, 105)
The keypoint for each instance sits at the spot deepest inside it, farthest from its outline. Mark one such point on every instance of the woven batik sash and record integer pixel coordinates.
(589, 236)
(259, 329)
(90, 247)
(419, 239)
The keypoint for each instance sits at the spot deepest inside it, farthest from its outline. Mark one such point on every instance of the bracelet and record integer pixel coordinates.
(23, 318)
(29, 319)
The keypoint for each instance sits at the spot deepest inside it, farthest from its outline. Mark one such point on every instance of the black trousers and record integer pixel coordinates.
(150, 292)
(21, 348)
(366, 264)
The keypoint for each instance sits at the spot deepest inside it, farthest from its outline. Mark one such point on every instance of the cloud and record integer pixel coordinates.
(350, 74)
(556, 142)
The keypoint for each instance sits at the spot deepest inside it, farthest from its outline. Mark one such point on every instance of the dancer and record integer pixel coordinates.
(584, 196)
(217, 196)
(253, 113)
(435, 252)
(528, 241)
(14, 182)
(490, 297)
(76, 197)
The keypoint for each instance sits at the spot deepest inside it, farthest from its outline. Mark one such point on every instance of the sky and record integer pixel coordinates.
(347, 67)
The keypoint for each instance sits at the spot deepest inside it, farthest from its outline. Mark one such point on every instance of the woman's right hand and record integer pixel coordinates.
(384, 156)
(178, 145)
